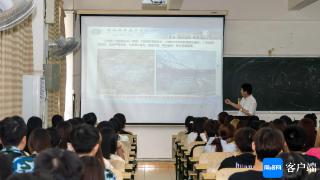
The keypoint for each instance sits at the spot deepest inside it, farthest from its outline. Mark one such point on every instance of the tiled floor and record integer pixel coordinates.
(155, 171)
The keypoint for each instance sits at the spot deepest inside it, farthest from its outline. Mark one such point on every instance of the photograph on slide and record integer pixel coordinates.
(125, 72)
(186, 73)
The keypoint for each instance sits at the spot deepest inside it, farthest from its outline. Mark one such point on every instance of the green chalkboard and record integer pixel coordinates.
(279, 83)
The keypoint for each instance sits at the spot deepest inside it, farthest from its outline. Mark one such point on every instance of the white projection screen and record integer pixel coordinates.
(153, 69)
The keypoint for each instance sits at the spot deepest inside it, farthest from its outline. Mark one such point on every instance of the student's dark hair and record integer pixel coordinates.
(222, 117)
(313, 117)
(109, 142)
(295, 137)
(308, 126)
(33, 123)
(268, 143)
(243, 123)
(226, 131)
(76, 122)
(211, 127)
(264, 124)
(313, 176)
(39, 140)
(189, 124)
(116, 124)
(90, 118)
(287, 119)
(13, 129)
(293, 158)
(61, 164)
(92, 169)
(217, 143)
(31, 176)
(64, 129)
(243, 139)
(84, 137)
(247, 88)
(54, 137)
(199, 127)
(279, 124)
(56, 119)
(254, 124)
(104, 124)
(122, 118)
(5, 166)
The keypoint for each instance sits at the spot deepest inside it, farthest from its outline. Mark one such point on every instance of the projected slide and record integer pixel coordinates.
(153, 69)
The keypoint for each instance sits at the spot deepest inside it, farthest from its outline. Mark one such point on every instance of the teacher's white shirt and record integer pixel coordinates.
(249, 103)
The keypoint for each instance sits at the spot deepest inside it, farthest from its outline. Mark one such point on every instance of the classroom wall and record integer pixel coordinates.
(253, 27)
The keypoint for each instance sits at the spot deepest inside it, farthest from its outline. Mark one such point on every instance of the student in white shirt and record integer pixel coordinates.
(248, 104)
(223, 141)
(197, 133)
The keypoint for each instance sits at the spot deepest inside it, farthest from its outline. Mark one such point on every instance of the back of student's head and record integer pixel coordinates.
(90, 118)
(243, 123)
(293, 159)
(189, 124)
(64, 129)
(109, 142)
(104, 124)
(5, 166)
(287, 119)
(116, 124)
(313, 117)
(122, 118)
(198, 126)
(243, 139)
(92, 169)
(268, 143)
(56, 119)
(61, 164)
(308, 126)
(211, 128)
(226, 131)
(295, 137)
(54, 137)
(33, 123)
(279, 124)
(222, 117)
(13, 130)
(84, 138)
(39, 140)
(76, 121)
(29, 176)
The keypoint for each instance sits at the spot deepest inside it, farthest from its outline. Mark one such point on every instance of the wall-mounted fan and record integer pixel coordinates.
(63, 46)
(12, 12)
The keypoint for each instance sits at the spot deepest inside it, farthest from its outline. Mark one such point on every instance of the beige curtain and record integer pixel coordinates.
(56, 98)
(16, 59)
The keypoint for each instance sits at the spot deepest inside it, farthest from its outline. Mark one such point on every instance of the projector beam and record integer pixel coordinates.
(299, 4)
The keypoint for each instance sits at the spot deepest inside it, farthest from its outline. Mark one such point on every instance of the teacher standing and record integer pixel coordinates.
(248, 104)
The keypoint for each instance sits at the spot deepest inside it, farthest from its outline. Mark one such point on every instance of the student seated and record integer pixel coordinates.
(295, 137)
(117, 126)
(5, 166)
(223, 142)
(64, 129)
(243, 139)
(198, 131)
(90, 118)
(56, 119)
(267, 143)
(311, 133)
(109, 145)
(60, 164)
(123, 121)
(13, 137)
(85, 142)
(293, 158)
(39, 140)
